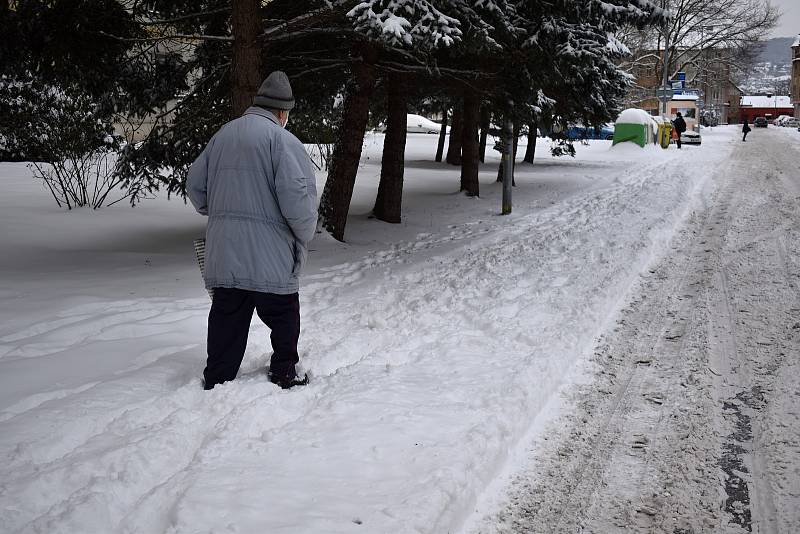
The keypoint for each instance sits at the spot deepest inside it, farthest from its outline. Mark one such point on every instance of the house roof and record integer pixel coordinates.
(760, 101)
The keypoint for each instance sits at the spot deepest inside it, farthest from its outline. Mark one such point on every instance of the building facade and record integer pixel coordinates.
(768, 106)
(708, 75)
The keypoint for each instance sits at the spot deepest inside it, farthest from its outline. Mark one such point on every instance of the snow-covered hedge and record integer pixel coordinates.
(68, 138)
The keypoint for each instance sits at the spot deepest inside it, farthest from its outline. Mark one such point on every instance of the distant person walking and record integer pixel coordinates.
(255, 182)
(745, 130)
(680, 127)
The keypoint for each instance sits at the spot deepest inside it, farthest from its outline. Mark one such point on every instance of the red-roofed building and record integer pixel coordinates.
(769, 106)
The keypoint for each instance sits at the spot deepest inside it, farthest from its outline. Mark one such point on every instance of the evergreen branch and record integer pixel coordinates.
(311, 17)
(314, 31)
(185, 17)
(317, 69)
(176, 36)
(404, 67)
(198, 85)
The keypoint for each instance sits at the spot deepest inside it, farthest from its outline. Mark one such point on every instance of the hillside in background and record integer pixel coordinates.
(777, 51)
(772, 72)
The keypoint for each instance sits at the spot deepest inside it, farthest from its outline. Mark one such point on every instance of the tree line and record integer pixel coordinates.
(187, 67)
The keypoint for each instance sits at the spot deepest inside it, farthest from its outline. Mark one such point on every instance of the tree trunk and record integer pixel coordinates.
(442, 135)
(501, 169)
(390, 190)
(484, 132)
(469, 140)
(454, 147)
(246, 66)
(335, 201)
(530, 151)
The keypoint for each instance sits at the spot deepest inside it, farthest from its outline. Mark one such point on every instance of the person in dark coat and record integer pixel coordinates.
(255, 183)
(680, 127)
(745, 130)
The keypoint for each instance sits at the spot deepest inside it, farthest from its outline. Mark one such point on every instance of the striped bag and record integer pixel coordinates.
(200, 253)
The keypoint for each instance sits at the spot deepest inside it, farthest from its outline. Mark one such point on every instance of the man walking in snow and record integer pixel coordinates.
(255, 183)
(680, 127)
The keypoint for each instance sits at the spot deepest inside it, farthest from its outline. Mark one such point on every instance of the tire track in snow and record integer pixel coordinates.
(595, 450)
(717, 382)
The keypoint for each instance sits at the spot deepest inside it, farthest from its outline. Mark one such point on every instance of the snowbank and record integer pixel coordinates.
(635, 116)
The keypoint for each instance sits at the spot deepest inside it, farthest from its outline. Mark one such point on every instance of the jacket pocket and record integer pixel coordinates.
(300, 255)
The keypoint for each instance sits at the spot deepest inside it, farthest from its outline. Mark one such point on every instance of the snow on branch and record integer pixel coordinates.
(634, 11)
(168, 37)
(405, 23)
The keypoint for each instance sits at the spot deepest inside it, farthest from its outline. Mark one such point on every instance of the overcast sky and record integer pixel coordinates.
(789, 25)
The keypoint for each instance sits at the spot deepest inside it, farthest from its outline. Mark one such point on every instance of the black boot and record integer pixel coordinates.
(287, 382)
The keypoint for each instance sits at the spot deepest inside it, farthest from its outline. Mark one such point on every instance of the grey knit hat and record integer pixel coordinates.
(275, 92)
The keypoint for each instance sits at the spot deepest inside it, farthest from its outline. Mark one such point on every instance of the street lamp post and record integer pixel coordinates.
(665, 70)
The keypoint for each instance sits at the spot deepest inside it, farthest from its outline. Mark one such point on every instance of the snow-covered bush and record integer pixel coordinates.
(709, 117)
(562, 147)
(70, 142)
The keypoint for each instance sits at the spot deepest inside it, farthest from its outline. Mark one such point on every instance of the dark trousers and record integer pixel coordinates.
(744, 136)
(229, 324)
(678, 140)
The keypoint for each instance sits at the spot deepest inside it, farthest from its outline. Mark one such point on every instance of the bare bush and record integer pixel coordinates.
(83, 180)
(71, 141)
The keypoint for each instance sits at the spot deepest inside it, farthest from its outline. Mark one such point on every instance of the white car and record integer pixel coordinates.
(691, 138)
(420, 124)
(417, 124)
(791, 122)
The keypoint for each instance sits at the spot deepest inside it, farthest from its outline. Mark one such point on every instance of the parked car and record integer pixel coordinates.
(691, 138)
(577, 132)
(417, 124)
(760, 122)
(781, 119)
(420, 124)
(791, 122)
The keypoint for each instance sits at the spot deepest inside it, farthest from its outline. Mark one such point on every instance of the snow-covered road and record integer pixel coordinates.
(692, 421)
(435, 359)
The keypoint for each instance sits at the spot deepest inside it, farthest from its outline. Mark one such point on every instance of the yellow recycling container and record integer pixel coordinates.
(664, 133)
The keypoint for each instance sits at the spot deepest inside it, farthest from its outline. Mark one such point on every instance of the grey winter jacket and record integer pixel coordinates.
(255, 182)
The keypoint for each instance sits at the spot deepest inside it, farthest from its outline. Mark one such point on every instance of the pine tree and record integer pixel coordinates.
(209, 58)
(399, 34)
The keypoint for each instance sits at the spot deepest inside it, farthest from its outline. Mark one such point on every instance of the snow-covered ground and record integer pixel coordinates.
(437, 349)
(691, 421)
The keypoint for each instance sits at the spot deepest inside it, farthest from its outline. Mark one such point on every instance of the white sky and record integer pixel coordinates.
(789, 25)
